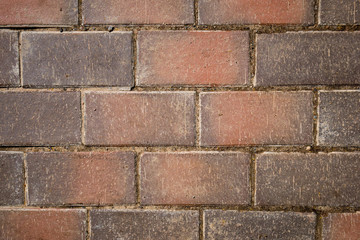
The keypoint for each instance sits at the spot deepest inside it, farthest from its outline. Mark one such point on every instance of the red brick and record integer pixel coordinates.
(9, 58)
(139, 118)
(335, 12)
(193, 58)
(341, 226)
(256, 118)
(30, 224)
(138, 12)
(256, 12)
(100, 178)
(195, 178)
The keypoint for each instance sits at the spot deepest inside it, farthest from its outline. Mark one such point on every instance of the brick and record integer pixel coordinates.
(193, 58)
(339, 115)
(256, 12)
(9, 58)
(255, 118)
(11, 178)
(221, 224)
(55, 224)
(195, 178)
(341, 226)
(139, 118)
(138, 12)
(339, 12)
(296, 179)
(99, 178)
(308, 58)
(38, 12)
(77, 59)
(40, 118)
(144, 224)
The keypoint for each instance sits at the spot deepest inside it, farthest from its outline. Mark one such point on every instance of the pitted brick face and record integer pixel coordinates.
(9, 58)
(341, 226)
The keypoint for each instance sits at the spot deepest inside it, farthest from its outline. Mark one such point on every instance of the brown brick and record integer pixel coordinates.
(39, 118)
(9, 58)
(31, 224)
(308, 179)
(221, 224)
(138, 12)
(77, 59)
(139, 118)
(11, 178)
(341, 226)
(339, 115)
(144, 224)
(335, 12)
(256, 12)
(38, 12)
(256, 118)
(308, 58)
(193, 58)
(99, 178)
(195, 178)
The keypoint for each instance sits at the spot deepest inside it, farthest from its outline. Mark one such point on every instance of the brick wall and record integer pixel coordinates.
(181, 119)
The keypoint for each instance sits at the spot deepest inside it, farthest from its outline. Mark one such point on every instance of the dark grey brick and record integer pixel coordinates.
(9, 58)
(334, 12)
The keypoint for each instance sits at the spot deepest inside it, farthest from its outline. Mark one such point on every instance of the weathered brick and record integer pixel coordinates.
(9, 58)
(195, 178)
(30, 224)
(341, 226)
(38, 12)
(139, 118)
(256, 12)
(335, 12)
(297, 179)
(11, 178)
(81, 178)
(221, 224)
(339, 115)
(144, 224)
(308, 58)
(77, 59)
(138, 12)
(40, 118)
(193, 58)
(254, 118)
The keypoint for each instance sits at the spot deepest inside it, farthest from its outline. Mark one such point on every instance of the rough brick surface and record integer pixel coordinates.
(39, 118)
(193, 58)
(296, 179)
(145, 224)
(256, 12)
(9, 58)
(142, 118)
(339, 115)
(341, 226)
(254, 118)
(77, 59)
(195, 178)
(30, 224)
(308, 58)
(221, 224)
(334, 12)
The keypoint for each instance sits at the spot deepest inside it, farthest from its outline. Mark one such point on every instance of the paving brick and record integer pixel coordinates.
(99, 178)
(339, 115)
(9, 58)
(256, 118)
(139, 118)
(221, 224)
(144, 224)
(297, 179)
(30, 224)
(256, 12)
(193, 58)
(77, 59)
(341, 226)
(308, 58)
(335, 12)
(40, 118)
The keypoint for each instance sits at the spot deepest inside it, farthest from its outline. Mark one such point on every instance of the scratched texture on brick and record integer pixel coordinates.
(77, 59)
(142, 118)
(31, 224)
(221, 224)
(144, 224)
(99, 178)
(9, 58)
(253, 118)
(341, 226)
(339, 114)
(335, 12)
(195, 178)
(40, 118)
(308, 58)
(193, 58)
(297, 179)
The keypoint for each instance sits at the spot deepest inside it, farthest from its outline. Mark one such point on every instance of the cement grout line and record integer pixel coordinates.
(137, 179)
(88, 224)
(316, 105)
(197, 119)
(201, 224)
(252, 179)
(319, 225)
(135, 57)
(82, 109)
(20, 60)
(252, 58)
(26, 183)
(80, 15)
(196, 13)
